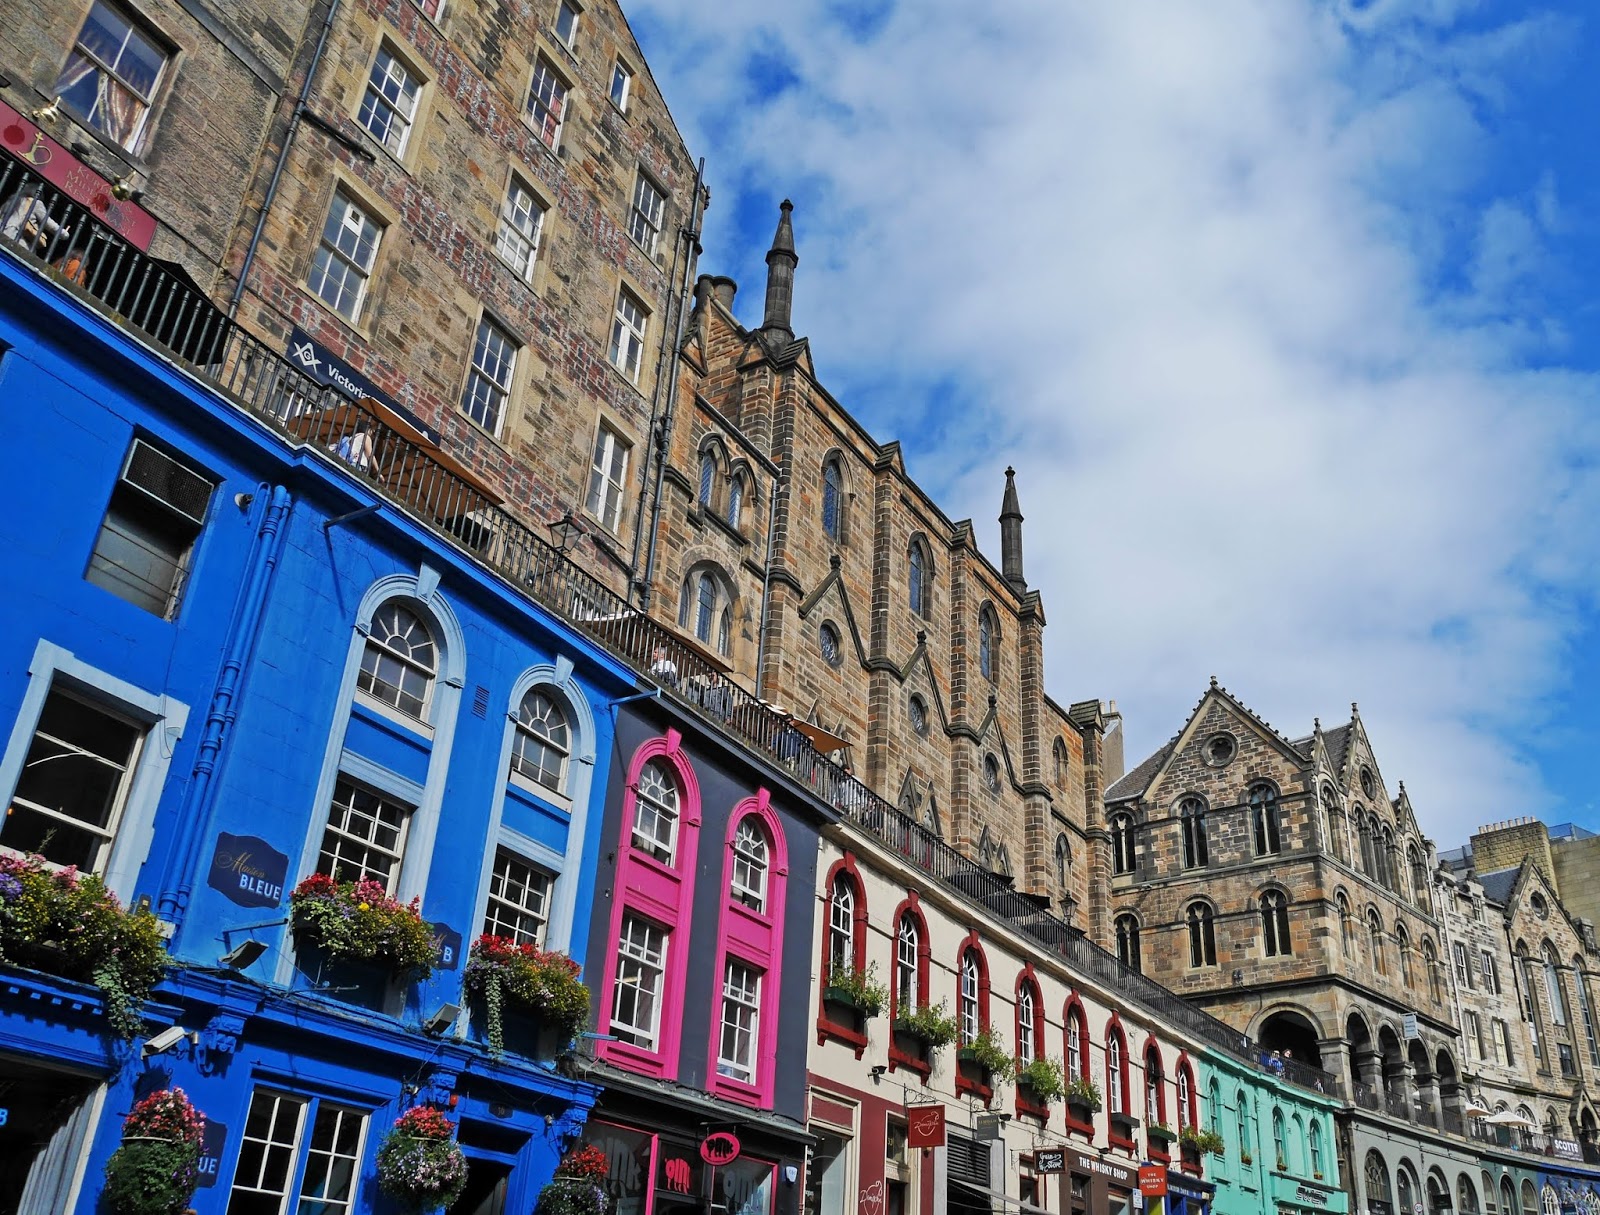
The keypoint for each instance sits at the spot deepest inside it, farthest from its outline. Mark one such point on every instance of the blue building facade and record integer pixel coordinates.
(229, 662)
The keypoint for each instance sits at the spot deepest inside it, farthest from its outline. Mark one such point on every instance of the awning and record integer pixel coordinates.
(1510, 1118)
(825, 741)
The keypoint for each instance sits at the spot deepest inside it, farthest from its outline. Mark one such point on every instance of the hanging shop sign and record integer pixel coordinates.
(925, 1126)
(24, 140)
(719, 1148)
(1050, 1160)
(1153, 1180)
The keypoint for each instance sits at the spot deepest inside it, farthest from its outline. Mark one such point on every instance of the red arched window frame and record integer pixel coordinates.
(1155, 1096)
(1188, 1095)
(1072, 1018)
(754, 938)
(844, 869)
(663, 895)
(1029, 982)
(1117, 1071)
(911, 908)
(972, 948)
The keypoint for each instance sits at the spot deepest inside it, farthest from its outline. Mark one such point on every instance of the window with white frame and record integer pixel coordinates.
(157, 511)
(547, 102)
(400, 660)
(541, 740)
(519, 900)
(111, 77)
(1489, 971)
(521, 222)
(488, 390)
(649, 210)
(628, 326)
(741, 1011)
(1458, 953)
(342, 264)
(74, 782)
(566, 25)
(1474, 1034)
(365, 836)
(842, 927)
(636, 993)
(621, 85)
(750, 859)
(655, 813)
(907, 945)
(971, 1012)
(274, 1146)
(431, 9)
(608, 472)
(390, 105)
(1025, 1013)
(1501, 1033)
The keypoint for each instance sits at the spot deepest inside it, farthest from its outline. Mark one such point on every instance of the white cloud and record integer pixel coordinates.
(1212, 277)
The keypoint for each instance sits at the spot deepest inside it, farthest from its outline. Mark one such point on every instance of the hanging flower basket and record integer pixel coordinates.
(578, 1188)
(541, 983)
(153, 1172)
(67, 924)
(359, 922)
(419, 1163)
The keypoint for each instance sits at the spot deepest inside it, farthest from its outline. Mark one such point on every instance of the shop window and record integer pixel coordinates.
(297, 1145)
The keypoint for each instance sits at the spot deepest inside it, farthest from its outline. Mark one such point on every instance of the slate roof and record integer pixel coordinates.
(1497, 886)
(1336, 740)
(1132, 784)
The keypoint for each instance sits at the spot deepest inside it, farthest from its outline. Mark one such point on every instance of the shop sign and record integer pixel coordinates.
(77, 180)
(209, 1165)
(1188, 1187)
(1116, 1173)
(325, 367)
(248, 871)
(719, 1148)
(1051, 1160)
(1408, 1025)
(446, 946)
(1152, 1181)
(925, 1126)
(1569, 1149)
(988, 1126)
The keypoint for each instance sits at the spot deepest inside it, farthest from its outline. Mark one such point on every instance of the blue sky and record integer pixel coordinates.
(1283, 310)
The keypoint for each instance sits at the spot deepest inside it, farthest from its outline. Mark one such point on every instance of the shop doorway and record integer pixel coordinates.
(48, 1113)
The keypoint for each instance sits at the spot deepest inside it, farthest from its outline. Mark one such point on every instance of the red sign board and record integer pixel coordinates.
(61, 168)
(720, 1148)
(925, 1126)
(1153, 1180)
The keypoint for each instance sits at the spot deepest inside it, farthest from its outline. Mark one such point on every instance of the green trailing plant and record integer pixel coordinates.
(358, 922)
(1084, 1092)
(1204, 1141)
(419, 1161)
(858, 988)
(1043, 1078)
(542, 983)
(986, 1051)
(578, 1188)
(931, 1023)
(68, 924)
(154, 1171)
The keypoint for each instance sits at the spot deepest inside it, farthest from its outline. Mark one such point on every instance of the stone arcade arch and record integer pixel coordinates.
(1294, 1032)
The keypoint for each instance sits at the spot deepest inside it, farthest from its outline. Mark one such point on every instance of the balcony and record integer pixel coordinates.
(158, 303)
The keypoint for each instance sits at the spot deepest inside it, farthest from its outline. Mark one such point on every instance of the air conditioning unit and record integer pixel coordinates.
(157, 475)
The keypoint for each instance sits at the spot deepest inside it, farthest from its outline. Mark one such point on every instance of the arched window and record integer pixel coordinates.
(991, 774)
(751, 853)
(1214, 1107)
(832, 500)
(655, 816)
(1280, 1142)
(735, 501)
(1264, 819)
(1030, 1026)
(706, 609)
(1116, 1071)
(1387, 860)
(1063, 859)
(1202, 935)
(708, 477)
(1549, 1200)
(1333, 817)
(1186, 1097)
(400, 660)
(917, 579)
(1402, 944)
(1375, 943)
(1315, 1142)
(1419, 880)
(842, 926)
(1247, 1136)
(1466, 1196)
(1580, 985)
(541, 741)
(1297, 1143)
(971, 1004)
(1274, 924)
(1369, 862)
(1122, 849)
(988, 637)
(1192, 816)
(1155, 1087)
(1347, 931)
(1376, 1179)
(908, 992)
(1077, 1042)
(1062, 762)
(1405, 1188)
(1552, 983)
(1128, 941)
(1508, 1197)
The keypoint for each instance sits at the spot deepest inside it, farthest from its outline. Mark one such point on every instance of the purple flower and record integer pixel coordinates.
(10, 886)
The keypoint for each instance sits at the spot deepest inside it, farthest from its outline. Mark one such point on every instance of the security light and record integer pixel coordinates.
(441, 1020)
(243, 954)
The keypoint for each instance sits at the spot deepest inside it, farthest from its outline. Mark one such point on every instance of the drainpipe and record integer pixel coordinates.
(283, 159)
(766, 589)
(194, 816)
(692, 235)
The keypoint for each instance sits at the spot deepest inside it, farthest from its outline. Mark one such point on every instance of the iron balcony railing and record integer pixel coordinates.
(46, 228)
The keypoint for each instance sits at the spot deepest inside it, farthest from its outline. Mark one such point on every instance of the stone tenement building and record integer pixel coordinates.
(1278, 884)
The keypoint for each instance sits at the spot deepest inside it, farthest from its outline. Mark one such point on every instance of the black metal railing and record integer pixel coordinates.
(47, 228)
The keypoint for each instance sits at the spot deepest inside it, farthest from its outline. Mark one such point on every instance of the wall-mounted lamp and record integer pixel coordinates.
(122, 188)
(48, 113)
(443, 1018)
(243, 954)
(878, 1072)
(568, 529)
(244, 501)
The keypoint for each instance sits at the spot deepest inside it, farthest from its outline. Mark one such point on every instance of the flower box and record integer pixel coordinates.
(1164, 1135)
(857, 990)
(1080, 1110)
(540, 984)
(1123, 1125)
(357, 922)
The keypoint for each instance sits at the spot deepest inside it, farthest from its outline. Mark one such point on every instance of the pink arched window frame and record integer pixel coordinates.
(1074, 1014)
(755, 938)
(662, 894)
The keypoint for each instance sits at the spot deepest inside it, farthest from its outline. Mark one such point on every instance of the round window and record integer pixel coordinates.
(1369, 786)
(918, 709)
(991, 773)
(1540, 907)
(1220, 749)
(828, 642)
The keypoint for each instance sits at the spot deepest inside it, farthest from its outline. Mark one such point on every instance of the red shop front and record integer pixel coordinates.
(657, 1172)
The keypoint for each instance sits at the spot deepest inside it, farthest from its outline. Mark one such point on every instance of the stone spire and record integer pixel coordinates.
(781, 261)
(1011, 535)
